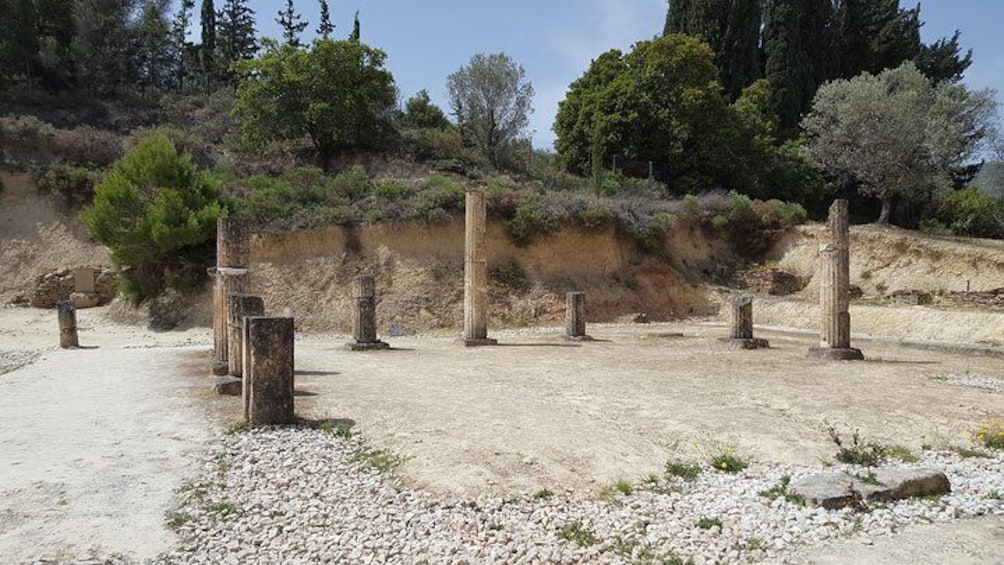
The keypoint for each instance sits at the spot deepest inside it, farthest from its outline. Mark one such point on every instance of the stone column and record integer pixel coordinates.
(239, 306)
(268, 390)
(228, 281)
(67, 315)
(364, 316)
(834, 289)
(575, 317)
(741, 324)
(476, 270)
(233, 257)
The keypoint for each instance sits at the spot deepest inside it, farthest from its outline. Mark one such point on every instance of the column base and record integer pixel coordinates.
(479, 342)
(368, 346)
(836, 354)
(220, 369)
(745, 343)
(228, 386)
(578, 338)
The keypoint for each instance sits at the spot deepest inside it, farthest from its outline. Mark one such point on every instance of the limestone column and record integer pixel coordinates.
(834, 289)
(239, 306)
(233, 257)
(476, 270)
(364, 316)
(67, 315)
(575, 317)
(268, 390)
(741, 324)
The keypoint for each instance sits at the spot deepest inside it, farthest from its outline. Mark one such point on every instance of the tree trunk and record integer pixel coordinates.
(883, 218)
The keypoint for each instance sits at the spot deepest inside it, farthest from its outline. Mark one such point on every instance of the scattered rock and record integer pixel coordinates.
(836, 490)
(915, 297)
(228, 386)
(772, 280)
(56, 286)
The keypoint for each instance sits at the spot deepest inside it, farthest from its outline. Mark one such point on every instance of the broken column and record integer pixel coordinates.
(475, 270)
(834, 290)
(364, 316)
(575, 317)
(268, 376)
(67, 315)
(240, 306)
(231, 275)
(741, 324)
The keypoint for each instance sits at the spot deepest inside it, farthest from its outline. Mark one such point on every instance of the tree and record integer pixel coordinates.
(19, 42)
(420, 112)
(731, 28)
(354, 36)
(207, 53)
(102, 44)
(491, 101)
(158, 216)
(337, 93)
(799, 52)
(897, 135)
(325, 28)
(153, 52)
(235, 36)
(292, 24)
(179, 41)
(661, 102)
(943, 61)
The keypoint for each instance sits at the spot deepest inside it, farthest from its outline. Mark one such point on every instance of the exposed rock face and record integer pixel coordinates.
(840, 489)
(60, 285)
(773, 281)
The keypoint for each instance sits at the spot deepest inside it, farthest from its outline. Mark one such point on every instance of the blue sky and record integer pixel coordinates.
(555, 40)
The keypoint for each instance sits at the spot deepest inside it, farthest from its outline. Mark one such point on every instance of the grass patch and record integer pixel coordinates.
(223, 507)
(542, 494)
(728, 463)
(868, 479)
(780, 490)
(902, 453)
(238, 426)
(175, 519)
(994, 495)
(755, 544)
(379, 459)
(990, 434)
(967, 453)
(578, 533)
(708, 523)
(682, 470)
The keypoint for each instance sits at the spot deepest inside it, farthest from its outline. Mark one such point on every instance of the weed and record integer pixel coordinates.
(902, 453)
(623, 547)
(222, 507)
(755, 544)
(990, 434)
(859, 525)
(578, 533)
(624, 488)
(967, 453)
(994, 495)
(868, 479)
(708, 523)
(175, 519)
(238, 426)
(682, 470)
(674, 560)
(542, 494)
(379, 459)
(728, 463)
(857, 453)
(651, 481)
(780, 490)
(496, 527)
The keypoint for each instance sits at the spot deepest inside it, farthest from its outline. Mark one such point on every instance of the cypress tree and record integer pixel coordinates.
(292, 24)
(354, 37)
(179, 31)
(207, 52)
(236, 35)
(325, 28)
(731, 28)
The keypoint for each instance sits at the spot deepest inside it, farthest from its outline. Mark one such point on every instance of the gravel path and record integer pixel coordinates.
(985, 383)
(302, 495)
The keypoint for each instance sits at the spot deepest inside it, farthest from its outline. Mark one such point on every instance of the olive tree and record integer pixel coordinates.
(897, 135)
(491, 101)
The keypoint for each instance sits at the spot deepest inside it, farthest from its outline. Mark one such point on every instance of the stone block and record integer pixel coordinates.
(835, 490)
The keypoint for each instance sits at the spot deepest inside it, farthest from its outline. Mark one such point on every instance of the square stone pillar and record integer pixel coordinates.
(834, 290)
(67, 315)
(268, 377)
(476, 269)
(741, 324)
(240, 306)
(575, 317)
(228, 281)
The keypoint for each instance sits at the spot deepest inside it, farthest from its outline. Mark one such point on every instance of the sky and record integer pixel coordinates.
(555, 40)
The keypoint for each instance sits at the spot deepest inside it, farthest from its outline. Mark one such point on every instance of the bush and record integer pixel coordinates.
(25, 131)
(89, 147)
(158, 216)
(75, 185)
(969, 212)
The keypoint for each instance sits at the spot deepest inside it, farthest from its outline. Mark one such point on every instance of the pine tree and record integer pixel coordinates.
(292, 25)
(207, 52)
(152, 53)
(236, 35)
(179, 40)
(325, 28)
(943, 61)
(354, 37)
(731, 28)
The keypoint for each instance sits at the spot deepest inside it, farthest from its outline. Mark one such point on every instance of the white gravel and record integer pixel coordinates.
(985, 383)
(300, 495)
(11, 360)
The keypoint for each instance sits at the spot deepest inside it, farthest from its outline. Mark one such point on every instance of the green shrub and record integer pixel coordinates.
(353, 184)
(88, 146)
(24, 131)
(728, 463)
(75, 185)
(969, 212)
(857, 452)
(158, 216)
(529, 223)
(682, 470)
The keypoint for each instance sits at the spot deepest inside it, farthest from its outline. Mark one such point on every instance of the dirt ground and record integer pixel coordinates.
(97, 440)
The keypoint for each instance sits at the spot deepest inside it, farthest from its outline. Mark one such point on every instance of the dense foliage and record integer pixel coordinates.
(157, 214)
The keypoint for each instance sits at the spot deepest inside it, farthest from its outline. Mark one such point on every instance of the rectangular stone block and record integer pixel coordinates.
(238, 307)
(269, 373)
(83, 280)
